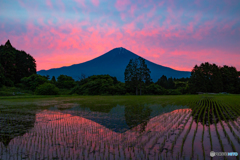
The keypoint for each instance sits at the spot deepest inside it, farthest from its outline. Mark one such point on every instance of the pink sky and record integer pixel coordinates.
(170, 33)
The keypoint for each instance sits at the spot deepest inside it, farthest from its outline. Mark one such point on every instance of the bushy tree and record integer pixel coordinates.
(212, 78)
(2, 77)
(230, 79)
(166, 83)
(33, 81)
(137, 74)
(53, 80)
(163, 82)
(47, 89)
(64, 81)
(97, 85)
(117, 89)
(16, 64)
(155, 89)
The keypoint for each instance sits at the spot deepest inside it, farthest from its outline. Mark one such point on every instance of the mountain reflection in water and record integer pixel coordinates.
(56, 133)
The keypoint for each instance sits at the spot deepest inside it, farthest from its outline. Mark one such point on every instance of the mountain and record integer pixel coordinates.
(113, 63)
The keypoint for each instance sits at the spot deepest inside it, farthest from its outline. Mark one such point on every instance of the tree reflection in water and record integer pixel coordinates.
(15, 124)
(135, 115)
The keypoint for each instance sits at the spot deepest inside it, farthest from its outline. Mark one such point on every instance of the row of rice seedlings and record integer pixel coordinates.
(167, 126)
(179, 133)
(230, 127)
(219, 138)
(231, 111)
(150, 135)
(199, 114)
(209, 125)
(204, 129)
(195, 111)
(235, 109)
(226, 134)
(172, 128)
(146, 133)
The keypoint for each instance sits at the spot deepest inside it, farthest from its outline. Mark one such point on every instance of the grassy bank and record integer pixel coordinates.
(114, 100)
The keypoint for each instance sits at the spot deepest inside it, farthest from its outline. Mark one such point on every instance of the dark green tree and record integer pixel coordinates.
(155, 89)
(25, 65)
(33, 81)
(163, 82)
(64, 81)
(212, 78)
(170, 83)
(137, 74)
(53, 80)
(2, 77)
(8, 62)
(99, 84)
(47, 89)
(230, 79)
(16, 64)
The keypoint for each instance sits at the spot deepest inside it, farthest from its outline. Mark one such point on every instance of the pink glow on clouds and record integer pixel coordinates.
(164, 38)
(49, 4)
(95, 2)
(122, 4)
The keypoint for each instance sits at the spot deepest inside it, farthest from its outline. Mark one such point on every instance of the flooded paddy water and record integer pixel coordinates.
(70, 130)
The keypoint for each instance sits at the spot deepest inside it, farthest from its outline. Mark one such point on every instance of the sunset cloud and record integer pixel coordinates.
(172, 33)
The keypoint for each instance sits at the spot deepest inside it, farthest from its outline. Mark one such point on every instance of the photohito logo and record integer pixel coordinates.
(213, 154)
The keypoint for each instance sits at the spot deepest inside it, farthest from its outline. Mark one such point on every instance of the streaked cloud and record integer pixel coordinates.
(171, 33)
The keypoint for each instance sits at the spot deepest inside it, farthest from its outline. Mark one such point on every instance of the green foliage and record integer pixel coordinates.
(137, 75)
(2, 77)
(183, 90)
(47, 89)
(53, 80)
(174, 92)
(118, 89)
(230, 79)
(15, 64)
(166, 83)
(4, 93)
(33, 81)
(98, 85)
(212, 78)
(64, 81)
(155, 89)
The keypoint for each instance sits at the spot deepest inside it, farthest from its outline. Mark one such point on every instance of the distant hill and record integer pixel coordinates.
(113, 63)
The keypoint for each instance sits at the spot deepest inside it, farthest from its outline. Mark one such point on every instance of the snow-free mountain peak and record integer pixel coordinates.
(113, 63)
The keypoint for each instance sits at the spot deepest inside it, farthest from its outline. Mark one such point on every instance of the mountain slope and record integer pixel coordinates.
(113, 63)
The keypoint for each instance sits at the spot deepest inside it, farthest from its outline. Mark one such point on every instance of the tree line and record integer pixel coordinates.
(17, 68)
(212, 78)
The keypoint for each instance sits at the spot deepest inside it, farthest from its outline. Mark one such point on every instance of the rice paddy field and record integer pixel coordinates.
(119, 127)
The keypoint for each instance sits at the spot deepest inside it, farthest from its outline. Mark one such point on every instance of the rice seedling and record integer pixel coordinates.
(209, 125)
(226, 134)
(185, 136)
(175, 139)
(213, 107)
(199, 113)
(232, 122)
